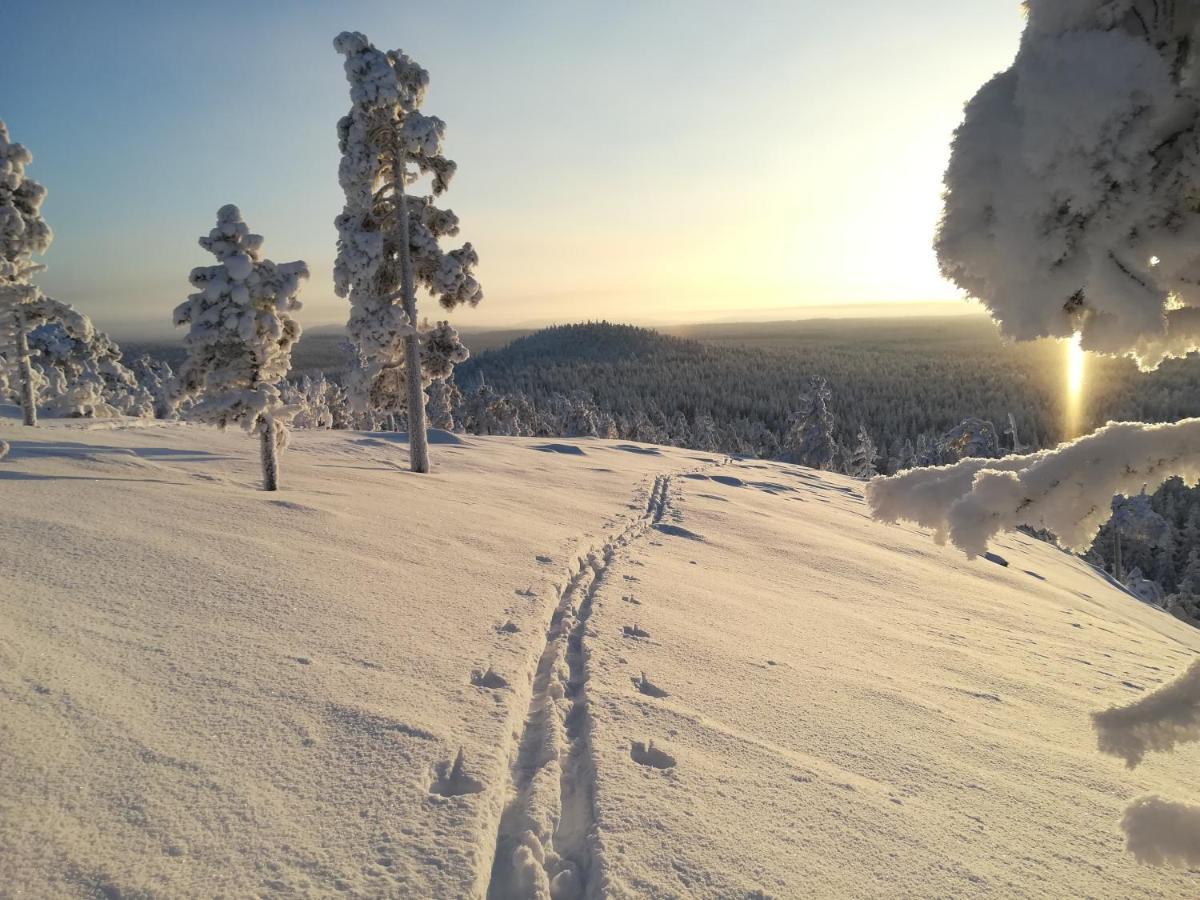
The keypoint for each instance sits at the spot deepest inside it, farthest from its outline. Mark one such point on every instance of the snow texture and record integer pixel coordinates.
(280, 707)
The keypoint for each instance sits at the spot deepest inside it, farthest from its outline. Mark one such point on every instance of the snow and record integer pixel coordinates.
(1064, 203)
(1054, 490)
(691, 677)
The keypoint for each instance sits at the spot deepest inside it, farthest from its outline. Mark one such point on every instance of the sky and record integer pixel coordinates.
(655, 162)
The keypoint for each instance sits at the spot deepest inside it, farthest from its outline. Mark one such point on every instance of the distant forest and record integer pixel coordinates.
(898, 378)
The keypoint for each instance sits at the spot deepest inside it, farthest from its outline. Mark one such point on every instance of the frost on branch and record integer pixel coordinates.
(387, 144)
(240, 330)
(1069, 195)
(1067, 491)
(1157, 722)
(1157, 831)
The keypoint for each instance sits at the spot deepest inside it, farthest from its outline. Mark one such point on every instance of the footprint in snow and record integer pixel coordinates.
(649, 688)
(455, 782)
(677, 531)
(635, 631)
(650, 756)
(491, 679)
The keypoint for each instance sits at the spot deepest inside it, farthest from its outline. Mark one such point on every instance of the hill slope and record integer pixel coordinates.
(669, 675)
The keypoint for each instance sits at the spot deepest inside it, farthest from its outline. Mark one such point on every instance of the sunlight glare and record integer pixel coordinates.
(1076, 359)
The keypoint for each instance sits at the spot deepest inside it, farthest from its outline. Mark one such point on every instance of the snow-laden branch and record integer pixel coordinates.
(1067, 491)
(1163, 832)
(1158, 722)
(1068, 203)
(1157, 831)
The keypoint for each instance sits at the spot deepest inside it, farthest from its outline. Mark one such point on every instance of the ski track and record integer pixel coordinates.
(546, 844)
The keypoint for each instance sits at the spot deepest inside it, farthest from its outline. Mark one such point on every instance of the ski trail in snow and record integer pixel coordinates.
(546, 842)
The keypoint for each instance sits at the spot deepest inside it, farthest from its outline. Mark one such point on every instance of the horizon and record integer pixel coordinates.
(567, 124)
(872, 312)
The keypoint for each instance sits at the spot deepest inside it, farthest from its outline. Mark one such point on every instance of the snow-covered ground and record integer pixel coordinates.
(669, 674)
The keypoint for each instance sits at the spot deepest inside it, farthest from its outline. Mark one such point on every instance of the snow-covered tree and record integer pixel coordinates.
(387, 239)
(240, 336)
(444, 397)
(1011, 433)
(157, 379)
(810, 440)
(24, 234)
(83, 373)
(970, 438)
(1135, 519)
(862, 460)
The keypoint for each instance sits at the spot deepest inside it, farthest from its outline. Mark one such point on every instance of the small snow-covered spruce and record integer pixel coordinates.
(810, 440)
(240, 337)
(24, 234)
(1134, 518)
(862, 461)
(387, 239)
(444, 398)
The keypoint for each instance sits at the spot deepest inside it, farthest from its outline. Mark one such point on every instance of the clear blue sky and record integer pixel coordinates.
(649, 161)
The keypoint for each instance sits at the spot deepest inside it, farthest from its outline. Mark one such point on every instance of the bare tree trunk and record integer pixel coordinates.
(418, 439)
(270, 455)
(26, 370)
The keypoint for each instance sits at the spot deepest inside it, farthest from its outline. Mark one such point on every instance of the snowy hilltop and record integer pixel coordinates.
(624, 671)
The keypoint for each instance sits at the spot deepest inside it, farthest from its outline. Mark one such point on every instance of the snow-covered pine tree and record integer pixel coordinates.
(704, 434)
(1133, 518)
(240, 337)
(24, 234)
(810, 440)
(84, 374)
(157, 378)
(972, 437)
(862, 460)
(388, 240)
(442, 401)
